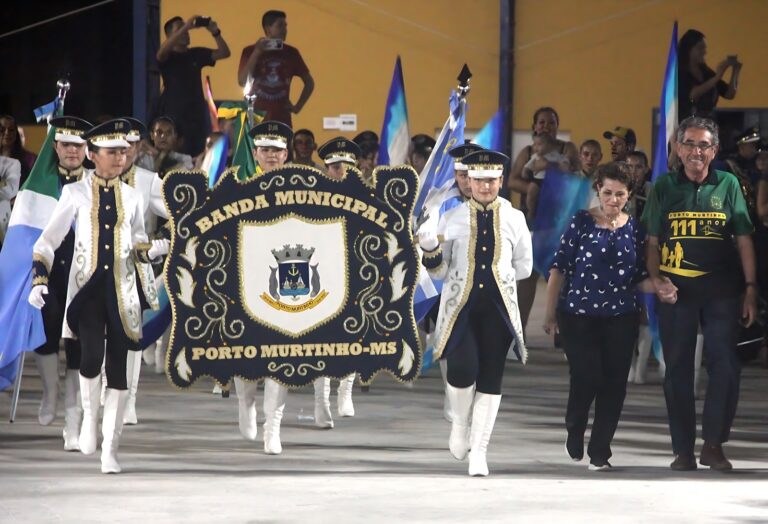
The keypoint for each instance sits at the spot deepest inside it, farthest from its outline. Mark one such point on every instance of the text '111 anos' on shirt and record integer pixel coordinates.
(696, 225)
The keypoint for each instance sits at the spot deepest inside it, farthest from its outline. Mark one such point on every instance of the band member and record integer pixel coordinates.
(464, 189)
(104, 292)
(69, 146)
(481, 248)
(149, 186)
(270, 141)
(338, 154)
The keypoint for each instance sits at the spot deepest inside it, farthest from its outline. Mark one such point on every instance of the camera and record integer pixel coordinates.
(202, 21)
(273, 44)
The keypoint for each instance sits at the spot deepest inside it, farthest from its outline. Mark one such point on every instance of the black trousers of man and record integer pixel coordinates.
(599, 351)
(678, 323)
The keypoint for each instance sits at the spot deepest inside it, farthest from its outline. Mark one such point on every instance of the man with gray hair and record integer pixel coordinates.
(699, 242)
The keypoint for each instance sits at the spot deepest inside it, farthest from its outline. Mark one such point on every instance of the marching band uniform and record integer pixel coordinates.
(457, 153)
(484, 251)
(149, 186)
(337, 154)
(109, 280)
(275, 135)
(68, 130)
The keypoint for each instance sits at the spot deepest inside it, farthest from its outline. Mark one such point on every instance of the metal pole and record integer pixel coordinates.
(507, 70)
(17, 386)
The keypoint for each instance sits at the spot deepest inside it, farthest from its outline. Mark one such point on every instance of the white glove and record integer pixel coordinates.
(36, 299)
(428, 240)
(159, 247)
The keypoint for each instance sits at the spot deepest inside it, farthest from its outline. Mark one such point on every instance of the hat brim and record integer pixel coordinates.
(484, 173)
(270, 142)
(112, 143)
(68, 138)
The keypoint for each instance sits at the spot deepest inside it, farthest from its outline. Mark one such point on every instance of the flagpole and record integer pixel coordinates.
(63, 86)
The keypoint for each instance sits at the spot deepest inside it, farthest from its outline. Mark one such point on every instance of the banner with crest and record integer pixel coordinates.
(292, 275)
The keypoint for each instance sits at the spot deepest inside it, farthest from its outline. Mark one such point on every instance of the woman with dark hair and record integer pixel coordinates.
(545, 122)
(11, 146)
(593, 287)
(699, 87)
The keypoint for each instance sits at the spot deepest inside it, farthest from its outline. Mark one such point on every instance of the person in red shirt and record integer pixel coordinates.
(269, 65)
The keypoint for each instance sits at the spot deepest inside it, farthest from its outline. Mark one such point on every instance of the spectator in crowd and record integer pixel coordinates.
(699, 235)
(699, 87)
(544, 147)
(590, 155)
(592, 302)
(268, 67)
(742, 163)
(365, 138)
(369, 155)
(545, 121)
(304, 146)
(637, 163)
(623, 140)
(180, 66)
(10, 173)
(12, 146)
(421, 148)
(162, 155)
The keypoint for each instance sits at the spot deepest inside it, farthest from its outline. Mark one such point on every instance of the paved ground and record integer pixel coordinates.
(185, 461)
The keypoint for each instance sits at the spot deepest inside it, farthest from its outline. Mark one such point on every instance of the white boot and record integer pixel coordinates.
(90, 389)
(344, 403)
(133, 370)
(103, 376)
(274, 404)
(160, 346)
(73, 413)
(447, 415)
(48, 366)
(246, 406)
(149, 354)
(483, 419)
(697, 364)
(460, 400)
(112, 428)
(323, 418)
(644, 342)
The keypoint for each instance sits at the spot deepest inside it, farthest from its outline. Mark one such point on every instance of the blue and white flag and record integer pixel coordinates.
(47, 111)
(667, 110)
(491, 136)
(395, 135)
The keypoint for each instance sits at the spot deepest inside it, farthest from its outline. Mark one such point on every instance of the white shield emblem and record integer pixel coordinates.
(294, 272)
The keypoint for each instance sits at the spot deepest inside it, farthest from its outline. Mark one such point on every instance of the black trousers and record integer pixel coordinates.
(99, 322)
(599, 351)
(678, 323)
(53, 319)
(479, 355)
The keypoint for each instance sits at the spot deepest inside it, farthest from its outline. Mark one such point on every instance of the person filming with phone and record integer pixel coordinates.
(180, 66)
(267, 68)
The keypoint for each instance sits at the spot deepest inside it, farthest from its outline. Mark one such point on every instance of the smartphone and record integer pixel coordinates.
(202, 21)
(273, 44)
(732, 58)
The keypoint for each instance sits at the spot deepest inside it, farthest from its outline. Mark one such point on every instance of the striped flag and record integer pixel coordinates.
(21, 325)
(492, 133)
(395, 135)
(667, 110)
(212, 112)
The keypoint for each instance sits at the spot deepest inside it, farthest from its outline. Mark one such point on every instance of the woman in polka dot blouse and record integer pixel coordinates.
(592, 301)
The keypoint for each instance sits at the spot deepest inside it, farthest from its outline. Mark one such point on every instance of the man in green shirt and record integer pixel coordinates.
(699, 248)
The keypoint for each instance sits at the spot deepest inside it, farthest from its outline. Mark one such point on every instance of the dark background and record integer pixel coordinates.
(92, 48)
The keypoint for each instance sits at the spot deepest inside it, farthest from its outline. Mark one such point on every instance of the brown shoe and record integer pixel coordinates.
(713, 456)
(684, 462)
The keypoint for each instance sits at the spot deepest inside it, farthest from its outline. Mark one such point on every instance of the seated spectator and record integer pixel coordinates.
(162, 156)
(303, 146)
(180, 66)
(12, 146)
(421, 148)
(268, 67)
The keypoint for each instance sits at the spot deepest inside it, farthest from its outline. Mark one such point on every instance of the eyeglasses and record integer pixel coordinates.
(703, 146)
